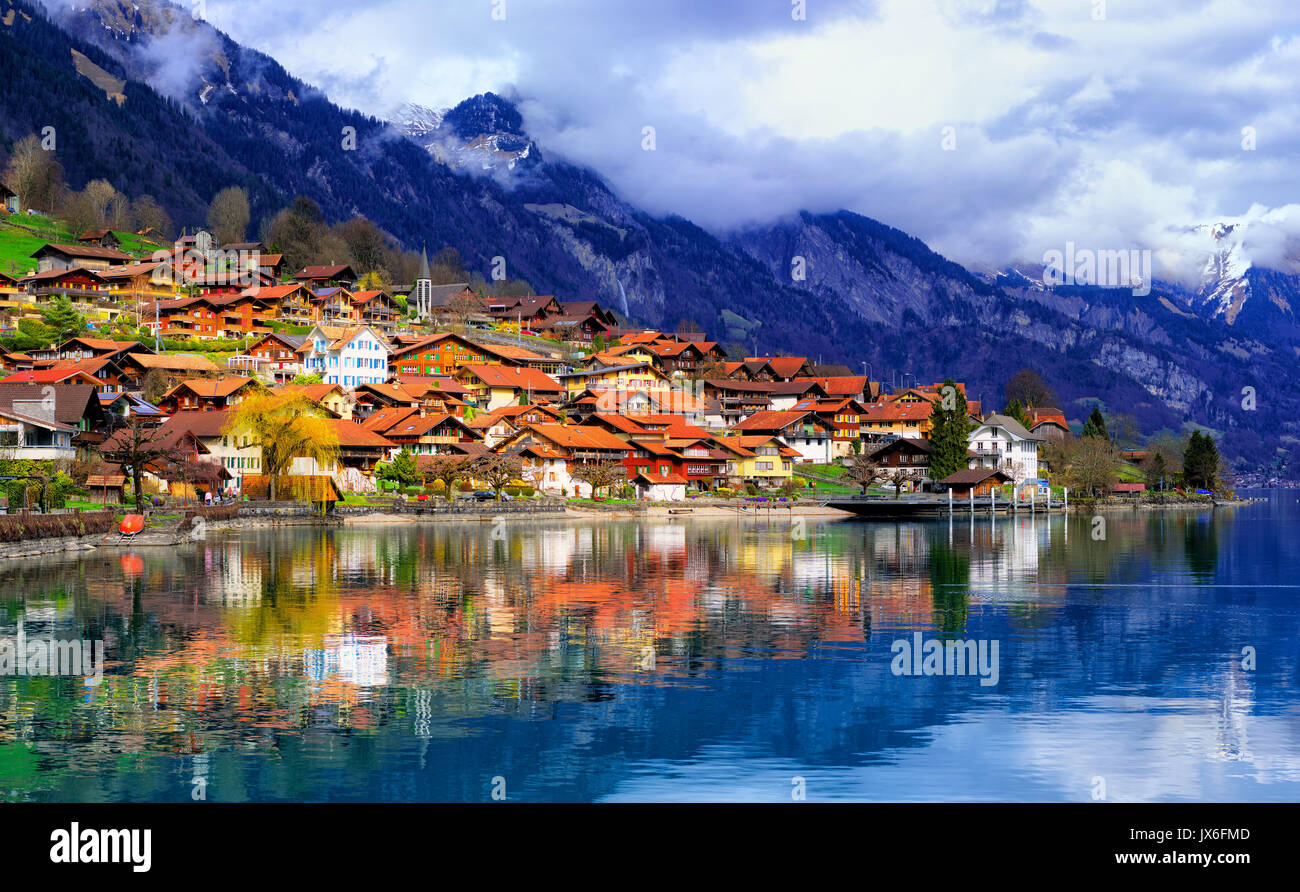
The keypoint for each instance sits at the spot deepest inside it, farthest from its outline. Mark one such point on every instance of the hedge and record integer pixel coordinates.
(21, 527)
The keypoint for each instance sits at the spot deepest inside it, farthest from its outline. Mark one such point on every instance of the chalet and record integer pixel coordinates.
(349, 356)
(442, 354)
(375, 308)
(358, 448)
(138, 365)
(331, 276)
(138, 281)
(332, 306)
(92, 348)
(1048, 424)
(208, 394)
(561, 449)
(584, 308)
(497, 426)
(759, 459)
(291, 302)
(64, 376)
(729, 402)
(804, 431)
(74, 283)
(494, 386)
(622, 379)
(38, 424)
(421, 431)
(512, 355)
(237, 454)
(895, 419)
(576, 329)
(330, 397)
(976, 481)
(103, 238)
(273, 357)
(125, 406)
(530, 312)
(844, 417)
(108, 373)
(91, 257)
(769, 368)
(679, 358)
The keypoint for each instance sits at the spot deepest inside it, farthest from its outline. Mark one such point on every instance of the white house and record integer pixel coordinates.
(348, 356)
(1002, 443)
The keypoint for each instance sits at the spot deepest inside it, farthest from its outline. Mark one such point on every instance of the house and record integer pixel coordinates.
(349, 356)
(125, 406)
(765, 461)
(292, 302)
(898, 419)
(909, 454)
(620, 379)
(330, 397)
(358, 448)
(1131, 490)
(54, 256)
(57, 376)
(208, 394)
(979, 482)
(92, 348)
(273, 357)
(9, 200)
(494, 386)
(555, 451)
(530, 312)
(442, 354)
(375, 308)
(494, 427)
(40, 422)
(103, 238)
(1002, 442)
(728, 402)
(804, 431)
(770, 368)
(421, 431)
(1048, 424)
(512, 355)
(74, 283)
(138, 281)
(236, 454)
(330, 276)
(844, 417)
(138, 365)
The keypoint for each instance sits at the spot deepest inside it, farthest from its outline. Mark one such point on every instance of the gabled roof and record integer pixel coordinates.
(181, 362)
(213, 387)
(1006, 422)
(521, 377)
(91, 252)
(973, 476)
(322, 272)
(771, 420)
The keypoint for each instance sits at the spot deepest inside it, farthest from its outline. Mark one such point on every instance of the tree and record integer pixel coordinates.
(1095, 426)
(1015, 410)
(286, 426)
(35, 174)
(148, 213)
(303, 380)
(228, 215)
(498, 470)
(599, 473)
(1124, 431)
(155, 384)
(366, 242)
(1028, 388)
(401, 469)
(78, 212)
(138, 445)
(896, 477)
(949, 432)
(864, 470)
(449, 469)
(461, 308)
(1155, 470)
(62, 318)
(1090, 464)
(1201, 462)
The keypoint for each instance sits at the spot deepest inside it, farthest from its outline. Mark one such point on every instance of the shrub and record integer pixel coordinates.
(413, 490)
(21, 527)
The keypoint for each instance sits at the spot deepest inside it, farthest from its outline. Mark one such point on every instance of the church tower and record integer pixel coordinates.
(423, 291)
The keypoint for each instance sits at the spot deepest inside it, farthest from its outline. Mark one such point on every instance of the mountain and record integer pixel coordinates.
(179, 110)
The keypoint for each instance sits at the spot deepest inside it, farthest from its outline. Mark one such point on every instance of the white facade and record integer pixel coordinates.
(1003, 443)
(347, 361)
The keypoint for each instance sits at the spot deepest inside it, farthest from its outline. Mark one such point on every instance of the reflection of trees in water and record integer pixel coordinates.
(1201, 546)
(950, 581)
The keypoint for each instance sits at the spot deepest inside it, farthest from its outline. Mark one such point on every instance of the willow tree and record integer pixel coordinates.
(285, 426)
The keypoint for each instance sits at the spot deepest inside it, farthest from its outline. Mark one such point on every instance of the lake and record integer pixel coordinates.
(1152, 657)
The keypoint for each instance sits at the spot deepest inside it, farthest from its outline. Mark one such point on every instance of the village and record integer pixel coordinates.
(443, 390)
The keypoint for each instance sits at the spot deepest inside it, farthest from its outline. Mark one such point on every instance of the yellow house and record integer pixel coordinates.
(631, 377)
(904, 419)
(759, 459)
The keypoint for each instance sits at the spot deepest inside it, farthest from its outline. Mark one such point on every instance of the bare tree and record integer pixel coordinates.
(865, 470)
(450, 469)
(228, 215)
(599, 473)
(498, 470)
(35, 174)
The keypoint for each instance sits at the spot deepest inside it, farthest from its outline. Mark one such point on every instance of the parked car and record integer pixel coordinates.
(487, 495)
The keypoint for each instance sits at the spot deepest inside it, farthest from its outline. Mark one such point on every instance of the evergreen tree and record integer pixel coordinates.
(1157, 472)
(402, 469)
(1095, 426)
(1201, 461)
(1015, 410)
(949, 431)
(62, 318)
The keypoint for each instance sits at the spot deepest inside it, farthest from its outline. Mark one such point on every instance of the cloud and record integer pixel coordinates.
(1117, 132)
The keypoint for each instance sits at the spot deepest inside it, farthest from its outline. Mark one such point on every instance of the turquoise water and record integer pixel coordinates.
(732, 660)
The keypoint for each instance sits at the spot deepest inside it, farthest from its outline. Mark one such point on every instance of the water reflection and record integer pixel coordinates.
(681, 660)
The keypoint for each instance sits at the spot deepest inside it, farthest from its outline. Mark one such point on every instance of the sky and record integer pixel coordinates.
(995, 130)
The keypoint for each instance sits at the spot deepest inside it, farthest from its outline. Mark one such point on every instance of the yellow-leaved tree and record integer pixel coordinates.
(286, 426)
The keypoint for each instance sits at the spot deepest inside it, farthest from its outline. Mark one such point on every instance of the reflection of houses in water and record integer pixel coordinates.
(233, 582)
(360, 660)
(1005, 556)
(1235, 705)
